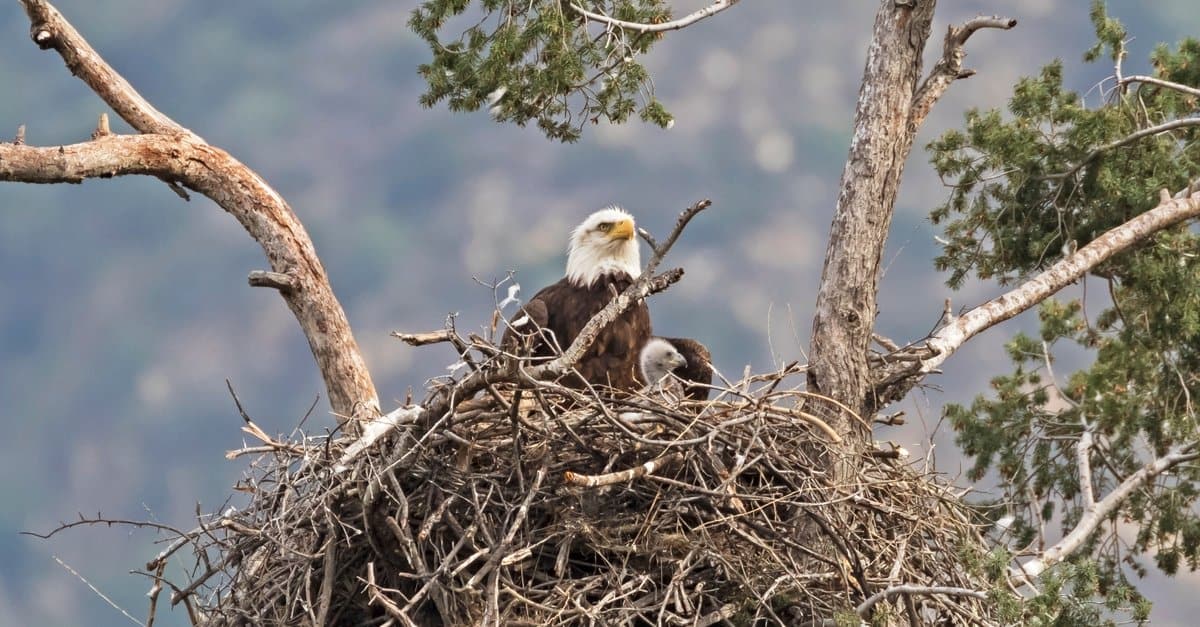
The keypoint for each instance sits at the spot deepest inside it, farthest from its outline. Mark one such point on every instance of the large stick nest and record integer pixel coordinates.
(551, 506)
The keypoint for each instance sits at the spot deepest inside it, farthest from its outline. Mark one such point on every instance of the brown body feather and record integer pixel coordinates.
(562, 310)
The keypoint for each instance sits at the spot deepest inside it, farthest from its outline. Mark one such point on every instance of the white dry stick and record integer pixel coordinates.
(683, 22)
(1083, 452)
(621, 476)
(375, 430)
(513, 290)
(96, 590)
(1150, 80)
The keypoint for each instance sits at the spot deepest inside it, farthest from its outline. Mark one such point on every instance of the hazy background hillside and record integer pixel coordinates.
(124, 309)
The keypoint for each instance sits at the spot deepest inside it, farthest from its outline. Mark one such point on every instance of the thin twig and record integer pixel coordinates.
(96, 590)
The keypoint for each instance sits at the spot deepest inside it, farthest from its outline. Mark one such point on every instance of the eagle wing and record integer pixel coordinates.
(563, 309)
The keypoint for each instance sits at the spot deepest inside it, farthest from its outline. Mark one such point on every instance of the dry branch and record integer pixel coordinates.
(896, 373)
(1095, 513)
(1169, 212)
(423, 339)
(1151, 80)
(683, 22)
(1083, 462)
(274, 280)
(178, 156)
(950, 67)
(865, 607)
(641, 470)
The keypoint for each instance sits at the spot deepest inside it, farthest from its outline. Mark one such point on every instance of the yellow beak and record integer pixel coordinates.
(622, 230)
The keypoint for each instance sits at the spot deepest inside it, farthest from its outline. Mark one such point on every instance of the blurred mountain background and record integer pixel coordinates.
(123, 309)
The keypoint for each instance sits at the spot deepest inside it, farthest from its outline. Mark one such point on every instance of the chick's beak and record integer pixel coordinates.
(622, 230)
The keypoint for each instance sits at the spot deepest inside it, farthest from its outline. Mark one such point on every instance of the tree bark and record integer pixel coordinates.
(882, 140)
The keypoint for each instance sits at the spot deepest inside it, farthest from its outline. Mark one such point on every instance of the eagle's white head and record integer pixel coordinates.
(658, 359)
(606, 243)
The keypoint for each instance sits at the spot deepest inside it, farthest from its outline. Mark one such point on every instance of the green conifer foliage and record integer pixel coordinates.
(540, 61)
(1030, 186)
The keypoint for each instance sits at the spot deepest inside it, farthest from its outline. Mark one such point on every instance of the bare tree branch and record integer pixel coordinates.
(49, 29)
(1150, 80)
(1083, 460)
(683, 22)
(176, 155)
(274, 280)
(1099, 511)
(1168, 213)
(422, 339)
(621, 476)
(1150, 131)
(950, 67)
(896, 373)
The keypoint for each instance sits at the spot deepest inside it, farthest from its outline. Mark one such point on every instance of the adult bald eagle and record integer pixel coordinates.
(602, 261)
(688, 359)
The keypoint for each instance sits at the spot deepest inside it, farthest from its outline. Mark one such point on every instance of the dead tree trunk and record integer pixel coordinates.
(882, 139)
(892, 104)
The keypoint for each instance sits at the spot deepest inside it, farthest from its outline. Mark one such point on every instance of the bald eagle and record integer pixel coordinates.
(602, 261)
(687, 359)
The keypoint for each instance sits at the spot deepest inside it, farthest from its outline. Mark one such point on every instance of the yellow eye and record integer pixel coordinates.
(606, 226)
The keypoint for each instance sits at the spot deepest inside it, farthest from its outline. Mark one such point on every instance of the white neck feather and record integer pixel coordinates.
(588, 259)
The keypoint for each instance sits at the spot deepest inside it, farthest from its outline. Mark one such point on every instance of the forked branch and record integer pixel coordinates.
(950, 67)
(1097, 512)
(179, 156)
